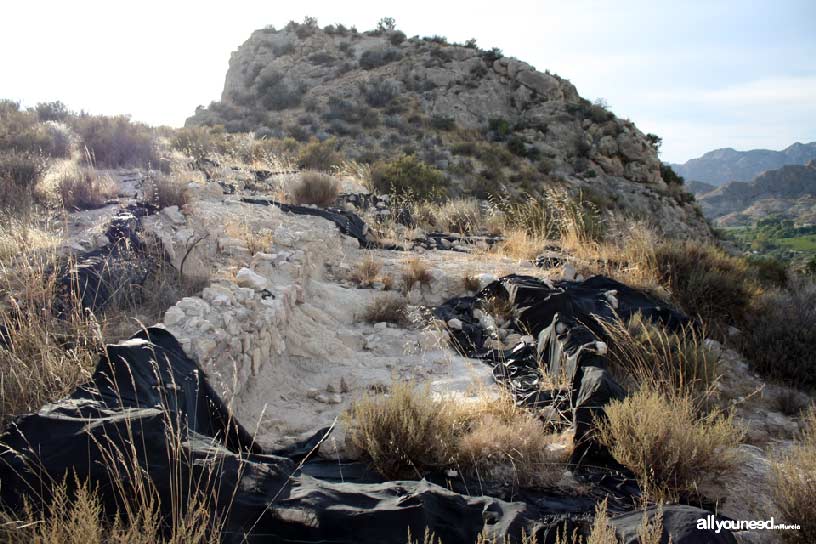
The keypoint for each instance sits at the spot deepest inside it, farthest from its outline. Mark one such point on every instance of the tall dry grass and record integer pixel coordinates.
(793, 483)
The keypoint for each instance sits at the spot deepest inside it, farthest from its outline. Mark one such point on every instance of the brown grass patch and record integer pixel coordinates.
(367, 271)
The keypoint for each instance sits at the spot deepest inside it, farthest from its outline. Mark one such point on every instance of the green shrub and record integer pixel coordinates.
(19, 174)
(407, 174)
(669, 175)
(275, 91)
(374, 58)
(778, 333)
(440, 122)
(517, 147)
(380, 93)
(501, 127)
(115, 142)
(21, 131)
(321, 156)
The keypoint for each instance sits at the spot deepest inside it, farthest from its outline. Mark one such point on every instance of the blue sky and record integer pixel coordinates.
(701, 74)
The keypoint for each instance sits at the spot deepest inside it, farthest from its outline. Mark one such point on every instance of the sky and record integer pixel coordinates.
(701, 74)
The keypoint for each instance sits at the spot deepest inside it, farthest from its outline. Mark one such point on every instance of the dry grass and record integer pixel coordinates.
(667, 443)
(42, 357)
(794, 485)
(83, 188)
(78, 518)
(316, 188)
(19, 236)
(255, 241)
(416, 273)
(388, 308)
(471, 283)
(645, 354)
(164, 191)
(367, 271)
(408, 432)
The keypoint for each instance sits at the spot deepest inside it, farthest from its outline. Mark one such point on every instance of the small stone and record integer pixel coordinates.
(380, 326)
(312, 394)
(455, 324)
(528, 339)
(330, 389)
(344, 388)
(173, 316)
(568, 273)
(174, 215)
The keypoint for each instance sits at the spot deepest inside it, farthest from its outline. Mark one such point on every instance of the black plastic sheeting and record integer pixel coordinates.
(99, 276)
(146, 390)
(565, 320)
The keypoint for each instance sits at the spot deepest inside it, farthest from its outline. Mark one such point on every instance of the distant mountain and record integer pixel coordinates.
(724, 165)
(788, 192)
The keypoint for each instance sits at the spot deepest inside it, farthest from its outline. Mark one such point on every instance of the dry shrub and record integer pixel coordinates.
(667, 443)
(256, 241)
(794, 485)
(388, 308)
(24, 235)
(115, 142)
(779, 333)
(646, 354)
(416, 273)
(511, 449)
(367, 271)
(19, 174)
(42, 356)
(408, 432)
(520, 244)
(83, 188)
(704, 280)
(164, 191)
(322, 156)
(471, 282)
(316, 188)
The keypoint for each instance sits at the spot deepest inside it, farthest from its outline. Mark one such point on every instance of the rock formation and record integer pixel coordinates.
(492, 124)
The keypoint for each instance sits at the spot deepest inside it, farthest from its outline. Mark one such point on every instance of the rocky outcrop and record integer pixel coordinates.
(492, 124)
(724, 165)
(789, 192)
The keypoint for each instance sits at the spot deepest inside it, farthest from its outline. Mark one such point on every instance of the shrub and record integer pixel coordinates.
(778, 335)
(19, 174)
(407, 174)
(275, 91)
(794, 487)
(704, 280)
(667, 444)
(374, 58)
(440, 122)
(416, 273)
(52, 111)
(82, 188)
(115, 142)
(366, 271)
(408, 432)
(164, 191)
(388, 308)
(670, 176)
(316, 188)
(21, 132)
(645, 354)
(471, 283)
(500, 127)
(517, 146)
(200, 142)
(379, 93)
(321, 156)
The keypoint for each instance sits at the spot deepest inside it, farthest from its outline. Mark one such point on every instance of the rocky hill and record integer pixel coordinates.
(727, 164)
(492, 124)
(789, 192)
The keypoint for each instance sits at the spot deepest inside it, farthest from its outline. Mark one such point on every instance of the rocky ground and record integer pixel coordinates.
(280, 328)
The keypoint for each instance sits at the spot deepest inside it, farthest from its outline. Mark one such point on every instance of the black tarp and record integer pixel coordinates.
(145, 391)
